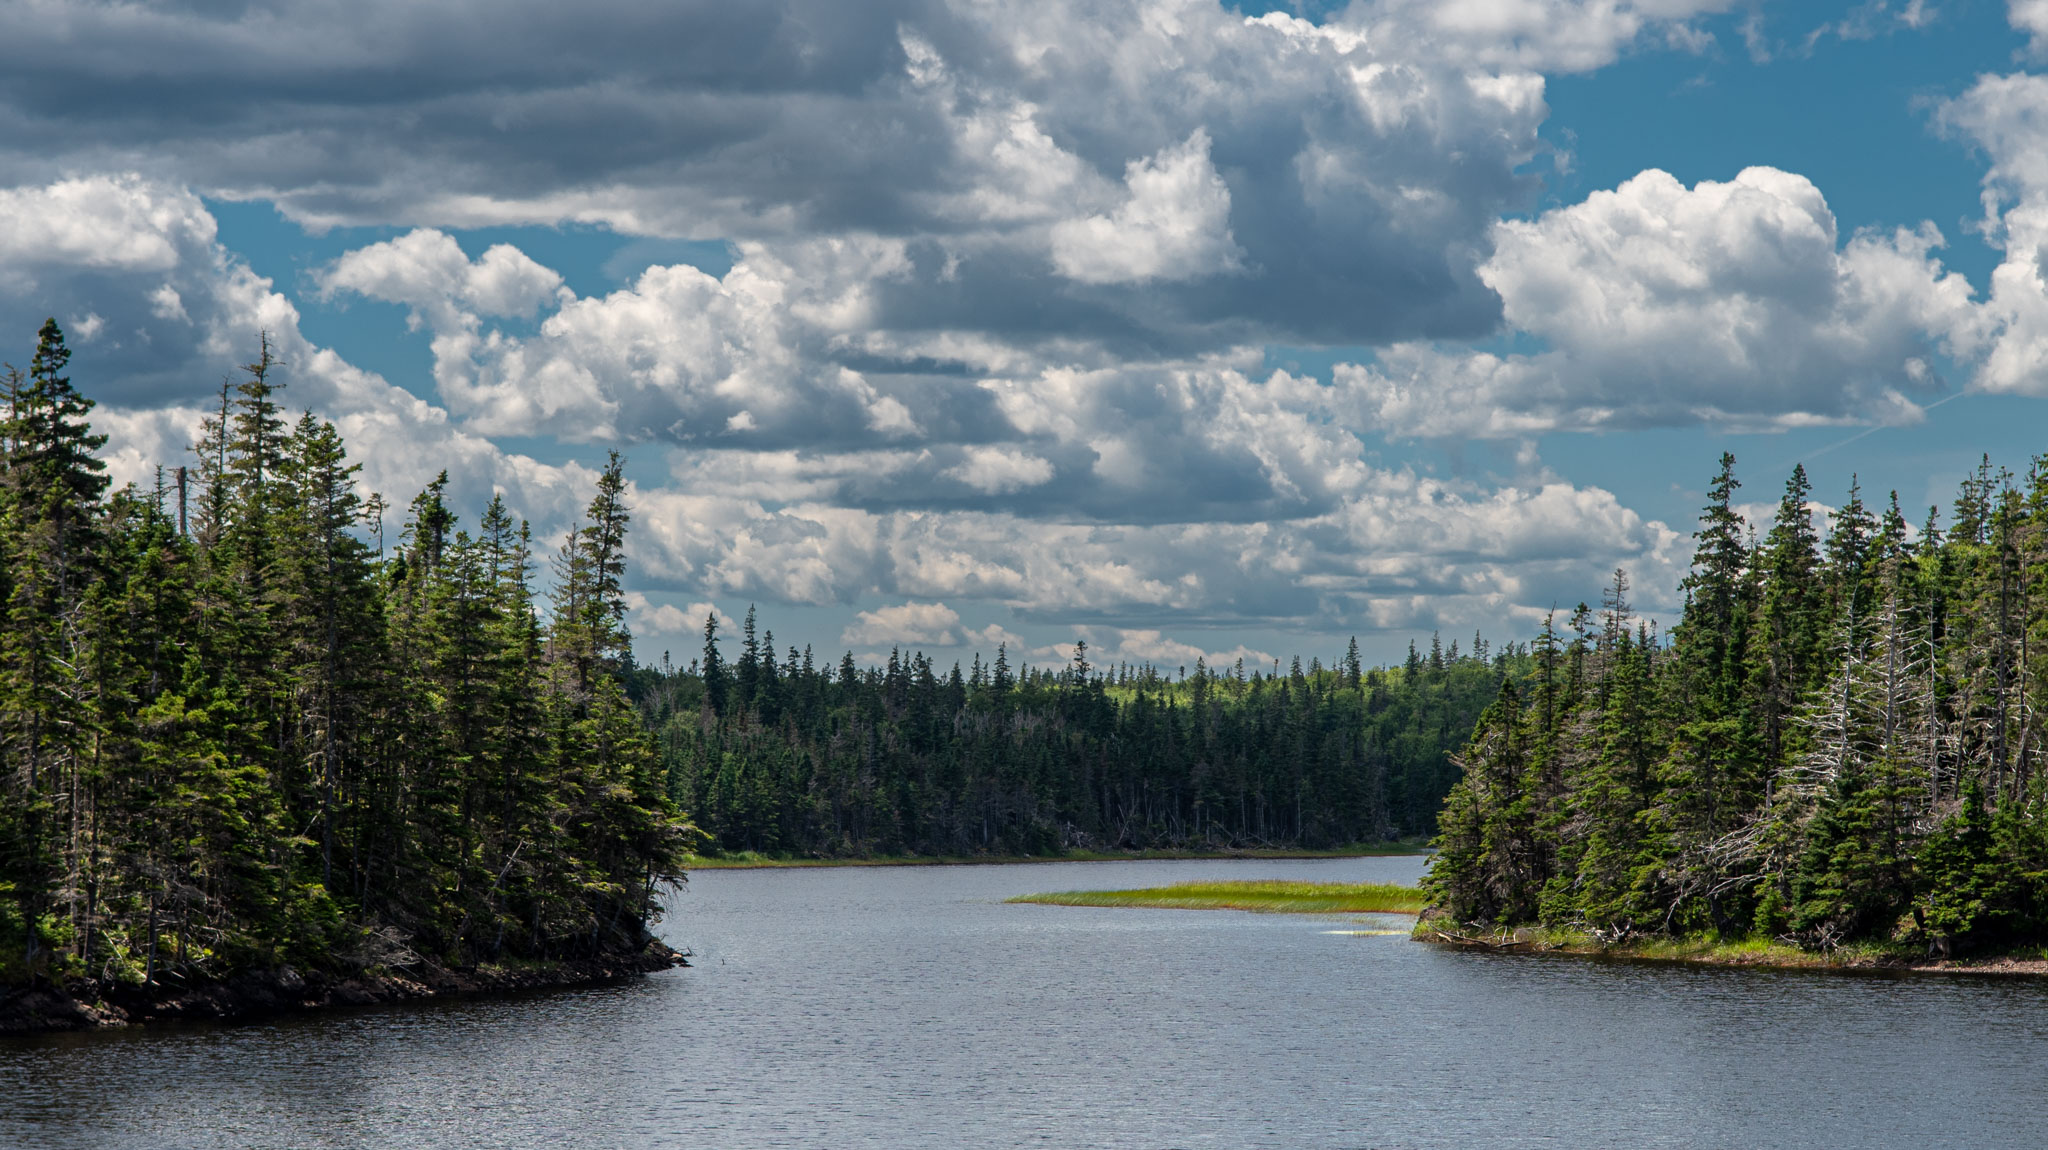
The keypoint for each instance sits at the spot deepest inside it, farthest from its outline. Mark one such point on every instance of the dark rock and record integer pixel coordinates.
(257, 993)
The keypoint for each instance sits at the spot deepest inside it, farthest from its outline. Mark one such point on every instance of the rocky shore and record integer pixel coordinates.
(88, 1005)
(1749, 953)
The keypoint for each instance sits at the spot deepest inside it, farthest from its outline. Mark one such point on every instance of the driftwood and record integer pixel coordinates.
(1497, 943)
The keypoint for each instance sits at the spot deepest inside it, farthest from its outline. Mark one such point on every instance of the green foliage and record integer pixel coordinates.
(784, 756)
(1838, 744)
(244, 736)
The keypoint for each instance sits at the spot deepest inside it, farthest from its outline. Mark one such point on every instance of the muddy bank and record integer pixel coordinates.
(87, 1005)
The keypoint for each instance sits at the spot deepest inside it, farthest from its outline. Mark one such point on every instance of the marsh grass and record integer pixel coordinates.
(1268, 895)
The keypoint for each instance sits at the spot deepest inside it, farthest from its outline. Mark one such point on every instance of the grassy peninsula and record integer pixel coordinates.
(1280, 896)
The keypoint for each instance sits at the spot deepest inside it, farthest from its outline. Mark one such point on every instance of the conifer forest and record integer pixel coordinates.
(240, 731)
(779, 754)
(241, 728)
(1839, 742)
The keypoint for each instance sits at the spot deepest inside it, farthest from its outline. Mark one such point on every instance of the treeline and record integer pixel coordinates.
(1838, 742)
(234, 734)
(778, 754)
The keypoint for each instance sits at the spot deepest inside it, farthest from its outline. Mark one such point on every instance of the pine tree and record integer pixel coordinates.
(49, 495)
(1791, 616)
(266, 742)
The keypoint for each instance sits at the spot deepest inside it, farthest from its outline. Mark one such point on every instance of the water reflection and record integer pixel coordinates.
(912, 1007)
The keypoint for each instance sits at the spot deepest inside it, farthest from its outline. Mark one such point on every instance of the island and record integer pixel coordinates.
(259, 757)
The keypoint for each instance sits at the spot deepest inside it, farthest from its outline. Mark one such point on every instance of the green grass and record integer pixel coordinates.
(1270, 895)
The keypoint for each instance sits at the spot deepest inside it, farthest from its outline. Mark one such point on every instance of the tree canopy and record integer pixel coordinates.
(234, 733)
(1838, 742)
(779, 753)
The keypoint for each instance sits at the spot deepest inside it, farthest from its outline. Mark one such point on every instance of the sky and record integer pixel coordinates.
(1184, 329)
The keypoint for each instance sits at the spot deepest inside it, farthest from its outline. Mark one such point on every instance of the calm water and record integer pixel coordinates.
(912, 1008)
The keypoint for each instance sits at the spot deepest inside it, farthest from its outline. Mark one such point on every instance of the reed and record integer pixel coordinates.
(1268, 895)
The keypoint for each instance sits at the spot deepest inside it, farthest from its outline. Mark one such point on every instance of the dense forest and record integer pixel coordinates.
(775, 753)
(1837, 743)
(236, 734)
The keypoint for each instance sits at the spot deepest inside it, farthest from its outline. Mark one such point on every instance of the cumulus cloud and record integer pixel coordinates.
(117, 223)
(1195, 492)
(909, 624)
(1000, 275)
(1052, 169)
(679, 354)
(999, 470)
(1174, 226)
(995, 638)
(1538, 35)
(2007, 117)
(133, 268)
(1403, 549)
(659, 621)
(178, 311)
(426, 269)
(1145, 646)
(2031, 17)
(1729, 303)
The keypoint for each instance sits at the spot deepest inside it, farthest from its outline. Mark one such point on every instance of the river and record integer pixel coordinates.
(911, 1007)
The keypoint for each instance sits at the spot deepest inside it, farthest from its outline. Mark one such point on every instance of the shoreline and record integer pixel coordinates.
(760, 862)
(251, 995)
(1751, 954)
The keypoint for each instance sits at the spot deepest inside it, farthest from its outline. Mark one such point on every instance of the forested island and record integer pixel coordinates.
(244, 741)
(775, 754)
(1836, 748)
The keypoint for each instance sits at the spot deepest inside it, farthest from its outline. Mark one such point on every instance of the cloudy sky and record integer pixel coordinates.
(1189, 329)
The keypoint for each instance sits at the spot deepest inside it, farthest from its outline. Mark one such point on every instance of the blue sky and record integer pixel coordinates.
(1188, 330)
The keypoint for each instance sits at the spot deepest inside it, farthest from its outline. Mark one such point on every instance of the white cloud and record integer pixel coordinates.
(169, 310)
(2005, 116)
(1724, 303)
(426, 269)
(1220, 498)
(1063, 167)
(1142, 646)
(1402, 548)
(993, 638)
(999, 470)
(140, 441)
(2031, 17)
(679, 354)
(909, 624)
(106, 222)
(1174, 226)
(646, 618)
(1000, 275)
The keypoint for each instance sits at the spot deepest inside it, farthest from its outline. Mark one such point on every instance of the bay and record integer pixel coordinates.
(912, 1007)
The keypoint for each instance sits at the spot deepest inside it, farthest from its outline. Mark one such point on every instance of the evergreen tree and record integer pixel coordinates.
(266, 742)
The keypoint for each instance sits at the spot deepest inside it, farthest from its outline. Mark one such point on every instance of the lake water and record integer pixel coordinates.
(910, 1007)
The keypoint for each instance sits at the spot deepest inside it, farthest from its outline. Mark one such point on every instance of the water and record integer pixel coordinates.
(912, 1008)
